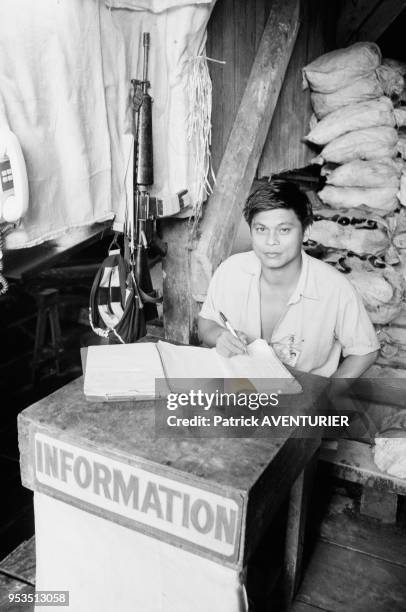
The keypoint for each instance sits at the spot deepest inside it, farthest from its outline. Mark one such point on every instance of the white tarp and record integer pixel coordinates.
(52, 98)
(65, 70)
(176, 37)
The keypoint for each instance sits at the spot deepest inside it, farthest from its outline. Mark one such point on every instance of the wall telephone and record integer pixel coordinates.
(13, 188)
(13, 178)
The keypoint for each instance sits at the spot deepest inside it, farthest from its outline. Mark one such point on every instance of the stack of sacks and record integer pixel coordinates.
(350, 231)
(381, 286)
(356, 126)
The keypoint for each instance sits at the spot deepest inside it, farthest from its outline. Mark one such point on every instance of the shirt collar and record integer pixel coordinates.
(306, 286)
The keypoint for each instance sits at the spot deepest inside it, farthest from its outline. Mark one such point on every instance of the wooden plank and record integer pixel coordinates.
(299, 606)
(342, 580)
(220, 46)
(21, 562)
(353, 13)
(237, 170)
(295, 531)
(353, 461)
(284, 147)
(381, 541)
(378, 504)
(179, 309)
(370, 24)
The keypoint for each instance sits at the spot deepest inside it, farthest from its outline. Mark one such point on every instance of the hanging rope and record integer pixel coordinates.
(199, 130)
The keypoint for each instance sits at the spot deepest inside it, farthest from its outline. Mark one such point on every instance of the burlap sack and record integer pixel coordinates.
(399, 240)
(351, 231)
(400, 116)
(401, 145)
(359, 173)
(380, 199)
(359, 116)
(380, 286)
(392, 82)
(371, 143)
(381, 289)
(399, 67)
(341, 67)
(367, 87)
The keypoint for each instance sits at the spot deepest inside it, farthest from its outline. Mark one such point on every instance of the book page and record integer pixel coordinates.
(118, 371)
(260, 365)
(263, 368)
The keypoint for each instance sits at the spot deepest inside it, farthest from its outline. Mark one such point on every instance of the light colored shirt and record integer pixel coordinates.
(325, 316)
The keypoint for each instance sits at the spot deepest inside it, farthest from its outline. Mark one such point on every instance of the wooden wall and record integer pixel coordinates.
(234, 32)
(233, 35)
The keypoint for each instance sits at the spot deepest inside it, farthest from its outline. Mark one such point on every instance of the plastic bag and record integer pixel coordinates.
(371, 143)
(341, 67)
(359, 173)
(358, 116)
(364, 88)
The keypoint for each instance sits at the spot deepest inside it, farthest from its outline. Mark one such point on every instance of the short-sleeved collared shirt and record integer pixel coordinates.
(325, 316)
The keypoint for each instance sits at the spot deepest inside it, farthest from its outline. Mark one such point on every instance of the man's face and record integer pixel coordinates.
(277, 237)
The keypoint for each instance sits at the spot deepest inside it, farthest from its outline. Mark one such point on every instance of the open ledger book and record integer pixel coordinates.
(128, 371)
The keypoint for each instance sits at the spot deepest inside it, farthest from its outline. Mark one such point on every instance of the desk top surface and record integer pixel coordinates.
(69, 447)
(128, 429)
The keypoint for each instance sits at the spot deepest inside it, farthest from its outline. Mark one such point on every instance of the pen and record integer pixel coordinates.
(230, 328)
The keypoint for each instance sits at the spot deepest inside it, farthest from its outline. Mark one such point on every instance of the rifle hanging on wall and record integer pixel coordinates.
(141, 231)
(122, 297)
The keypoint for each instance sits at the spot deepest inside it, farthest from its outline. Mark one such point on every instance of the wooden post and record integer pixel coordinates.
(240, 161)
(295, 533)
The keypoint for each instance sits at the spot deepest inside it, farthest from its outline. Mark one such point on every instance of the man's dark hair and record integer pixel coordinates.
(278, 193)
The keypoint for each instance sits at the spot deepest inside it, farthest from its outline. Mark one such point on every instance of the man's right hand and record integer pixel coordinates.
(228, 345)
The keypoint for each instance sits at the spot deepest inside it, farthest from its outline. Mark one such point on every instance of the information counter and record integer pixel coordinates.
(129, 522)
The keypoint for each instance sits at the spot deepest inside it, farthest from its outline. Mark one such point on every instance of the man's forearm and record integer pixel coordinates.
(209, 331)
(355, 365)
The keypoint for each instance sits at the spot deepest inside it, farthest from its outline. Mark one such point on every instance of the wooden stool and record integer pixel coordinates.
(47, 309)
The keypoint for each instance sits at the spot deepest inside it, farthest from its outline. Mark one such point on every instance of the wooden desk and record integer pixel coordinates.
(20, 262)
(88, 541)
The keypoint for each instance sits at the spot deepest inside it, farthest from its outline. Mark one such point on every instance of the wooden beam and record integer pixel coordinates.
(240, 160)
(366, 20)
(299, 500)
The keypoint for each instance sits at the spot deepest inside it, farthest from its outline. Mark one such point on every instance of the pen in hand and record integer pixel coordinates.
(231, 329)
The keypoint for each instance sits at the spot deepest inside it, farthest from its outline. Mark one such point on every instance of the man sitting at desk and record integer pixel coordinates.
(308, 311)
